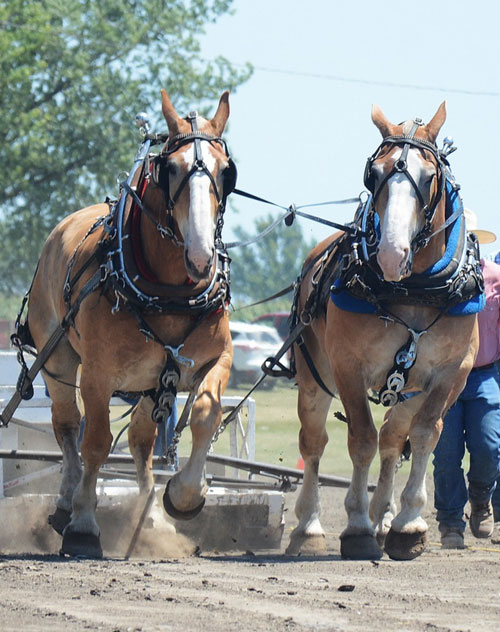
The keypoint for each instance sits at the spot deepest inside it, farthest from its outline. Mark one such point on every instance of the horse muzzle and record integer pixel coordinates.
(395, 263)
(199, 266)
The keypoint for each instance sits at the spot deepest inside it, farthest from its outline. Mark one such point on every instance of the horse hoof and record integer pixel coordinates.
(177, 514)
(404, 546)
(306, 544)
(83, 545)
(59, 520)
(360, 547)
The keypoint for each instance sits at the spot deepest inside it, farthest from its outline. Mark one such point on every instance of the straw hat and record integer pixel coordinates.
(483, 236)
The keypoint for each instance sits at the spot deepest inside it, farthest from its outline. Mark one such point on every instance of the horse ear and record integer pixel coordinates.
(384, 126)
(436, 123)
(220, 118)
(169, 112)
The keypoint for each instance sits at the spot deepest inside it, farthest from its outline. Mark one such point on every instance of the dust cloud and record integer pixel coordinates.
(24, 528)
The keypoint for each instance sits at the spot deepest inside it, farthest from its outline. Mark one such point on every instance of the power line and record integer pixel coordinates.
(372, 82)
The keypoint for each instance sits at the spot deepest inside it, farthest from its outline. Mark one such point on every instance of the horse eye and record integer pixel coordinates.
(173, 169)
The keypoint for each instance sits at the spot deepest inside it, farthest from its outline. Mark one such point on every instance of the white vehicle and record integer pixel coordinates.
(252, 344)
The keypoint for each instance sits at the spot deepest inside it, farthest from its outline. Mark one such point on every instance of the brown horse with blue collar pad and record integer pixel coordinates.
(413, 276)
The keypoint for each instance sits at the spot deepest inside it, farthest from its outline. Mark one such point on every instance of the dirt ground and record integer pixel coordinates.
(169, 586)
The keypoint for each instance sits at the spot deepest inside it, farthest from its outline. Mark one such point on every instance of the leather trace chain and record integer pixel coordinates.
(167, 391)
(164, 401)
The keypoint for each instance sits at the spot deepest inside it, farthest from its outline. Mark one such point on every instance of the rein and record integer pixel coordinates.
(289, 216)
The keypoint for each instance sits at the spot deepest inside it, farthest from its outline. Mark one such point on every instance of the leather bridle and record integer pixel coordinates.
(400, 165)
(161, 172)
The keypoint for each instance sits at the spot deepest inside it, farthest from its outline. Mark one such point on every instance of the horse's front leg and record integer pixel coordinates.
(392, 438)
(66, 424)
(81, 536)
(141, 438)
(358, 540)
(406, 538)
(185, 492)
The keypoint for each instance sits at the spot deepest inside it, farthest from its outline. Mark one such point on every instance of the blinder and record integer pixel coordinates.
(229, 178)
(368, 177)
(160, 174)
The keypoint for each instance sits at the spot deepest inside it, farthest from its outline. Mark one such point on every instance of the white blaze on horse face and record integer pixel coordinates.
(198, 231)
(400, 221)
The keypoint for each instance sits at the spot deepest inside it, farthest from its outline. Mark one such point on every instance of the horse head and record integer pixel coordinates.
(406, 180)
(199, 177)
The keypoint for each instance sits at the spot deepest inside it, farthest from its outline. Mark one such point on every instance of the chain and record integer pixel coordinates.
(165, 400)
(223, 425)
(171, 454)
(167, 391)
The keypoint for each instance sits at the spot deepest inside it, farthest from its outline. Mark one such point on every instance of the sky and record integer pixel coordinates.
(300, 129)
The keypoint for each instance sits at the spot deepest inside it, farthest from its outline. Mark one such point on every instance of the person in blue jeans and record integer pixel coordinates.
(473, 422)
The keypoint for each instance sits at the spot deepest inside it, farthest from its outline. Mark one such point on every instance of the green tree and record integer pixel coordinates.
(267, 266)
(73, 75)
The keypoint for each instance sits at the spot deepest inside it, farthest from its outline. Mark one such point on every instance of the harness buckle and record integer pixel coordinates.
(305, 318)
(116, 307)
(104, 267)
(178, 357)
(388, 398)
(406, 358)
(199, 301)
(395, 382)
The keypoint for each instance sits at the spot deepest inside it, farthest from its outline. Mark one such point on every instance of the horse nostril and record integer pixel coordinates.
(199, 264)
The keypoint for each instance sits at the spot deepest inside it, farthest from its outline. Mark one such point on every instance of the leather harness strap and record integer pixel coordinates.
(24, 388)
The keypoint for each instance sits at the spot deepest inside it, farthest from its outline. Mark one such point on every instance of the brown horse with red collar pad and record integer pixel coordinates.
(139, 288)
(409, 348)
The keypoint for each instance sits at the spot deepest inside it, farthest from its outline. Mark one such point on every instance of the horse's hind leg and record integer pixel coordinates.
(313, 404)
(66, 423)
(141, 438)
(358, 540)
(81, 536)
